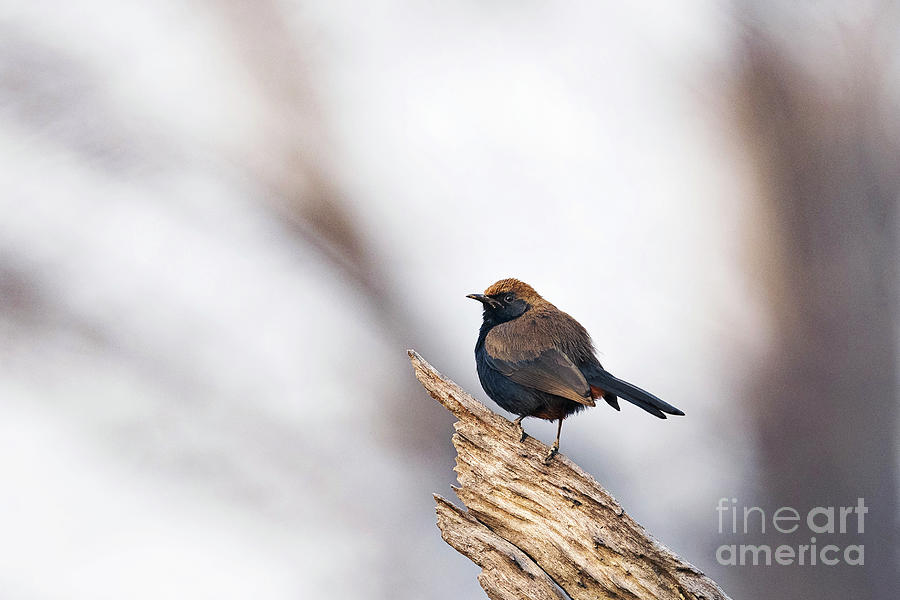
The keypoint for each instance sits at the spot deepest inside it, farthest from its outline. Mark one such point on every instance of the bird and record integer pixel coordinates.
(535, 360)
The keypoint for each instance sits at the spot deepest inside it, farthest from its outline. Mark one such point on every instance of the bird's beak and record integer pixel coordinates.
(488, 302)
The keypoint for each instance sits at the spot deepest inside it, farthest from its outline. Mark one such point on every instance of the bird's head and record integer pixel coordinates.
(506, 300)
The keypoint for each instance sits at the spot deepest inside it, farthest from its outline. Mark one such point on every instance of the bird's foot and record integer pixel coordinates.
(553, 450)
(522, 434)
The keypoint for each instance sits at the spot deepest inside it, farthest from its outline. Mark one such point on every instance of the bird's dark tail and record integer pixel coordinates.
(613, 385)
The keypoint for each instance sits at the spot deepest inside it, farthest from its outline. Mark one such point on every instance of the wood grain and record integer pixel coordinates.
(557, 520)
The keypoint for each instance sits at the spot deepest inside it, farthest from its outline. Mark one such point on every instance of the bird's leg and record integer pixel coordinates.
(518, 423)
(555, 447)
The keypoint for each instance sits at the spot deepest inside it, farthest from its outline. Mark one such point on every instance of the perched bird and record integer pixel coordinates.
(534, 360)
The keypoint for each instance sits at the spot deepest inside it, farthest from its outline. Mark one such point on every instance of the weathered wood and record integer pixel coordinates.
(507, 573)
(556, 514)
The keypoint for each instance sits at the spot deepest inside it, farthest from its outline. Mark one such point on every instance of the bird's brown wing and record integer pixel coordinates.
(550, 371)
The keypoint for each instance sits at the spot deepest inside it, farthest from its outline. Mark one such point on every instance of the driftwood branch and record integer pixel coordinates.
(532, 527)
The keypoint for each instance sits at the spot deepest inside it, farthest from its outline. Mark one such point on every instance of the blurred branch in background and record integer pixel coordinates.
(295, 164)
(304, 192)
(817, 96)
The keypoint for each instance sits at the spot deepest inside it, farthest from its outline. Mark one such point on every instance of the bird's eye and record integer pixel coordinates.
(510, 298)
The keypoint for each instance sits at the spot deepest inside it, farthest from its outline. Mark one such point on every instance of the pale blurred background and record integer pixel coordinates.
(225, 222)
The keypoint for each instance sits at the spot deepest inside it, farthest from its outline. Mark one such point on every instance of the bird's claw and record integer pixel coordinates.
(522, 434)
(553, 451)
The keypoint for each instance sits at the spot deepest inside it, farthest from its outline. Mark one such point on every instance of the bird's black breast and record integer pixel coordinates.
(514, 397)
(508, 394)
